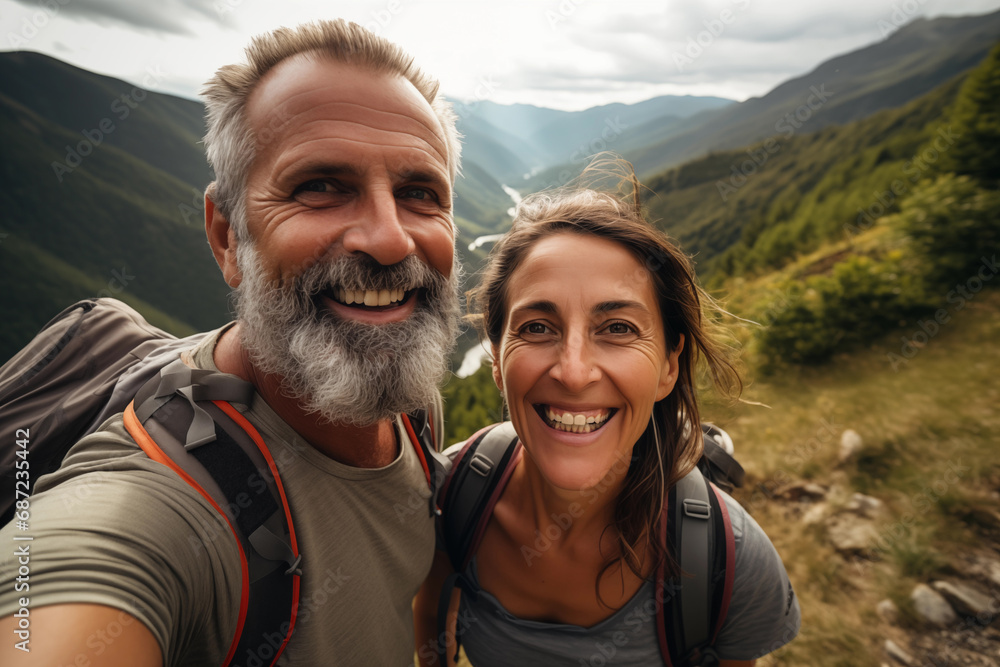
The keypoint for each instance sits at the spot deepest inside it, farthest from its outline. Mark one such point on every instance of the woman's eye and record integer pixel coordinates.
(619, 328)
(535, 328)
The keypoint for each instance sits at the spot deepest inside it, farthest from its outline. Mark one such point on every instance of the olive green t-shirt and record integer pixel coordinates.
(113, 527)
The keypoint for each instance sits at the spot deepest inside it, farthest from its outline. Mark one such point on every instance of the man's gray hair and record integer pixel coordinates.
(230, 141)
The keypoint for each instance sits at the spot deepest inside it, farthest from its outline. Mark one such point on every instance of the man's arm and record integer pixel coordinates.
(80, 634)
(425, 609)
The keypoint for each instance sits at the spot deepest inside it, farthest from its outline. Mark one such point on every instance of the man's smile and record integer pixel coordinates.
(371, 297)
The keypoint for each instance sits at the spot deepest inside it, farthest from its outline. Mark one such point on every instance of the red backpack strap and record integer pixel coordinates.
(182, 419)
(730, 563)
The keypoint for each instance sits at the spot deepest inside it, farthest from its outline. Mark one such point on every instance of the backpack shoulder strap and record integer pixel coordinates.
(424, 429)
(692, 608)
(478, 477)
(184, 419)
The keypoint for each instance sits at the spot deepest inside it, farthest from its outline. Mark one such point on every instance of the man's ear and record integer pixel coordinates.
(671, 369)
(222, 239)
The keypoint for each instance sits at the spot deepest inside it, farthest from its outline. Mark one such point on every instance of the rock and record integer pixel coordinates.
(815, 514)
(850, 444)
(993, 572)
(966, 600)
(864, 505)
(888, 611)
(982, 564)
(801, 491)
(894, 651)
(932, 607)
(851, 534)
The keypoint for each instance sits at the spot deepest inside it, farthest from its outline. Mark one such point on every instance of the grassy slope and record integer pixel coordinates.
(939, 408)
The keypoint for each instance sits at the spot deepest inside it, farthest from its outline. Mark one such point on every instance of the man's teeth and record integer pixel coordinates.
(576, 423)
(369, 297)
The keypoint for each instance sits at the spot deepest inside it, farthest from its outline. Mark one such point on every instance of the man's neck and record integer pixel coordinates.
(372, 446)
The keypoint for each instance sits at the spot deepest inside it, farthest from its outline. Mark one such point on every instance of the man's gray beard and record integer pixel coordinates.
(346, 371)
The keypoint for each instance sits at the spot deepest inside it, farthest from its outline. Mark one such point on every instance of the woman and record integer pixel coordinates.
(596, 324)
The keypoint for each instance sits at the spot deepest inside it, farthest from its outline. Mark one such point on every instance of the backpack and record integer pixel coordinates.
(98, 358)
(689, 611)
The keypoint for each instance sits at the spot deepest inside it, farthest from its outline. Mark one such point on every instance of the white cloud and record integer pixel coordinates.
(563, 53)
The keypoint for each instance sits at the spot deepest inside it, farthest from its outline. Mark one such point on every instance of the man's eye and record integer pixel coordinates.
(422, 194)
(314, 186)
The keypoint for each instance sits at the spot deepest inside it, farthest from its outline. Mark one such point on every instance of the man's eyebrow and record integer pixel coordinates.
(328, 169)
(422, 176)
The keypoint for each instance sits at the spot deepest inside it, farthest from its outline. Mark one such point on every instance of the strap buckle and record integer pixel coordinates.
(697, 509)
(481, 465)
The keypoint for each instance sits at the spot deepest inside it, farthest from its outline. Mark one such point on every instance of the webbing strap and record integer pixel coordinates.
(179, 379)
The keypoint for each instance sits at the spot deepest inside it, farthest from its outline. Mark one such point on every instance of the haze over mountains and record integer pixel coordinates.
(103, 179)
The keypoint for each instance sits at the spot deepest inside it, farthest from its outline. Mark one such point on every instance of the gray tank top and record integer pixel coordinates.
(763, 616)
(493, 636)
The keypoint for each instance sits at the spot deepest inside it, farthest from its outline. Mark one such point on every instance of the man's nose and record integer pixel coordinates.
(575, 368)
(378, 231)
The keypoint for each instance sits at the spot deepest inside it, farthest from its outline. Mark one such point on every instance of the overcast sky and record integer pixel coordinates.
(567, 54)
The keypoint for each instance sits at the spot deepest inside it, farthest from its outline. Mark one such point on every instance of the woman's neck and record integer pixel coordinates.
(575, 514)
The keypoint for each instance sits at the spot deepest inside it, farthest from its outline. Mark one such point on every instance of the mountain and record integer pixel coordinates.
(910, 62)
(549, 137)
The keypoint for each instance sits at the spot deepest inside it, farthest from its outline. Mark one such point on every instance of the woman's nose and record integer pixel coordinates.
(575, 368)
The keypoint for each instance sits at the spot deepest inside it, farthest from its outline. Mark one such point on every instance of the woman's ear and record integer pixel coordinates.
(671, 369)
(222, 240)
(497, 374)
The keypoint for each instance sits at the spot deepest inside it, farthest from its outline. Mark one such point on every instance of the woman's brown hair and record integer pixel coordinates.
(672, 444)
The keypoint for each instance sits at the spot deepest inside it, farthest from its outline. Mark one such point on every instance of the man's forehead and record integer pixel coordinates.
(301, 82)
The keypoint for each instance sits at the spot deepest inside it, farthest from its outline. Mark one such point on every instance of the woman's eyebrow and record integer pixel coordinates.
(608, 306)
(541, 306)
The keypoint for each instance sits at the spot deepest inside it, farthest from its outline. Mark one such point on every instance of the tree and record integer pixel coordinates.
(975, 124)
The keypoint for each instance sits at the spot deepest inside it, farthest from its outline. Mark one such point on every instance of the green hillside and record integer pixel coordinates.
(114, 220)
(162, 130)
(756, 208)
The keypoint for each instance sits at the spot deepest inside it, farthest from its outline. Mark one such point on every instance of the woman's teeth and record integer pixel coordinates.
(575, 422)
(369, 297)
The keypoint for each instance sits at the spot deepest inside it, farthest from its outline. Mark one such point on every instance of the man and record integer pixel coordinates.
(331, 217)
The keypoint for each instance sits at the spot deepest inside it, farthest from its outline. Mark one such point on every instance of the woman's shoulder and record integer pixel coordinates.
(764, 611)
